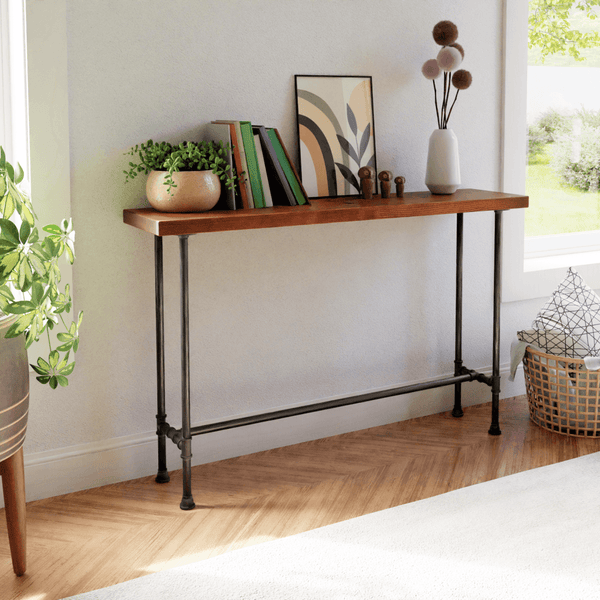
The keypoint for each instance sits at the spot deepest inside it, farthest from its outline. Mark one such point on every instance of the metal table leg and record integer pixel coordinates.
(183, 437)
(187, 501)
(457, 411)
(495, 426)
(161, 416)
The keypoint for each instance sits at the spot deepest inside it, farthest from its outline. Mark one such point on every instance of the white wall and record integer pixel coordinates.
(282, 316)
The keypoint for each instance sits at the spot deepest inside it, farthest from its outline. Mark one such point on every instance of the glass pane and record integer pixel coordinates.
(563, 119)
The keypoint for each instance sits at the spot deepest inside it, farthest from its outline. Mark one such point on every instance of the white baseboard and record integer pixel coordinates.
(75, 468)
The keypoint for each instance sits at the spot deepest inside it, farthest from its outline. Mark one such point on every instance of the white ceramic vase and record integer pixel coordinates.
(196, 191)
(443, 169)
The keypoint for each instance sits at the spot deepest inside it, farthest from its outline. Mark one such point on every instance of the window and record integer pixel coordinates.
(530, 271)
(13, 97)
(47, 85)
(34, 121)
(563, 142)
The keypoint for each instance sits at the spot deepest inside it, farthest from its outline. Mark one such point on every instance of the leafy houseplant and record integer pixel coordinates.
(30, 276)
(183, 157)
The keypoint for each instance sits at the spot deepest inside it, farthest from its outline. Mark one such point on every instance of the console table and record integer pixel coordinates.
(322, 210)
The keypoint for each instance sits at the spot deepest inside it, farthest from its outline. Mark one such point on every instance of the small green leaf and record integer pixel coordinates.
(10, 231)
(37, 293)
(9, 206)
(19, 175)
(53, 358)
(63, 363)
(70, 254)
(26, 214)
(7, 263)
(34, 236)
(25, 275)
(43, 365)
(54, 229)
(38, 370)
(25, 231)
(21, 307)
(6, 247)
(19, 326)
(10, 171)
(29, 339)
(68, 369)
(37, 264)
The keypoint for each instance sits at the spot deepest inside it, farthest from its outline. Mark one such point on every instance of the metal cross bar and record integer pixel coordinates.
(465, 376)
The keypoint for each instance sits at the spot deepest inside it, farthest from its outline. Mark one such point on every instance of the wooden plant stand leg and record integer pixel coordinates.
(13, 486)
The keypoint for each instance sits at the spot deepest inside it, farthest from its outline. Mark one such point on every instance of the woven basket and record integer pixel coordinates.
(563, 395)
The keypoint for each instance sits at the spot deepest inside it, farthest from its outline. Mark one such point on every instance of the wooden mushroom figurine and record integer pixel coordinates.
(386, 183)
(367, 181)
(400, 181)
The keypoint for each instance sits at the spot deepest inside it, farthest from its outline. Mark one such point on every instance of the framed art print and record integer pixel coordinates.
(336, 132)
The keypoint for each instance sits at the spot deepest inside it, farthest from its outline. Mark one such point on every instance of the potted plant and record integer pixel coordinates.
(182, 178)
(31, 303)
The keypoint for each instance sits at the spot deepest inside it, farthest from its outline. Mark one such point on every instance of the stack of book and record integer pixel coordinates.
(266, 174)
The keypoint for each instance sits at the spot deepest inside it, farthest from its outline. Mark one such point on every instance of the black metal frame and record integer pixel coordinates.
(183, 437)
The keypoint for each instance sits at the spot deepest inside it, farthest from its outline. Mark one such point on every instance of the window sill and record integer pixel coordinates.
(561, 261)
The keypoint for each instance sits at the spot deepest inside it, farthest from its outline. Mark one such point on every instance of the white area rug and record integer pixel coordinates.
(526, 536)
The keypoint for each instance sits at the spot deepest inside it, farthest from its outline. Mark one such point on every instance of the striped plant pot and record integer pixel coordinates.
(14, 391)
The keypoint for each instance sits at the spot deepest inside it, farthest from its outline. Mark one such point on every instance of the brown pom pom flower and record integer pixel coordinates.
(462, 79)
(445, 33)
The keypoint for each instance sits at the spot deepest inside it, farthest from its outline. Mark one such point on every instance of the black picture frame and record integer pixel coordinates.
(336, 132)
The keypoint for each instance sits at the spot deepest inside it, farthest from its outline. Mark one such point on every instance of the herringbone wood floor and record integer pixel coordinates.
(88, 540)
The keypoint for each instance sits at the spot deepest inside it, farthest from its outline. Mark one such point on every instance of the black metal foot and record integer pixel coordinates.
(495, 430)
(162, 477)
(457, 412)
(187, 503)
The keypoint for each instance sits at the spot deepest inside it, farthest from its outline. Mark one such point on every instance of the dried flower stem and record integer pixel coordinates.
(444, 100)
(444, 115)
(437, 111)
(450, 112)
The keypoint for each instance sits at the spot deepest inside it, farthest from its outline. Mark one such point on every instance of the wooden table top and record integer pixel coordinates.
(323, 210)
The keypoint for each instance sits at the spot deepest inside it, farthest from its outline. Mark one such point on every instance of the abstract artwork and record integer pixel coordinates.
(336, 133)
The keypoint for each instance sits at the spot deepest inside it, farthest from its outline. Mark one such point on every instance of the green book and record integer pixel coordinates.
(280, 188)
(253, 168)
(287, 167)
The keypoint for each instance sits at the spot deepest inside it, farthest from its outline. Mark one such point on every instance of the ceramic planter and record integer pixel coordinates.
(443, 170)
(14, 390)
(196, 191)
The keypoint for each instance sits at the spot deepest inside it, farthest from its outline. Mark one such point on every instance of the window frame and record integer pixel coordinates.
(14, 123)
(528, 274)
(34, 77)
